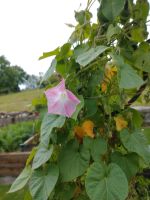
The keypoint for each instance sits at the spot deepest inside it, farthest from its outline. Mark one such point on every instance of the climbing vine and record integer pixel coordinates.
(92, 144)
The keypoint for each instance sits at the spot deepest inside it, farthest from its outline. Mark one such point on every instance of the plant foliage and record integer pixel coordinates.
(13, 135)
(97, 153)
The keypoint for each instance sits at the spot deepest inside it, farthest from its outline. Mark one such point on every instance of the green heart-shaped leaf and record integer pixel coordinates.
(43, 181)
(106, 182)
(73, 161)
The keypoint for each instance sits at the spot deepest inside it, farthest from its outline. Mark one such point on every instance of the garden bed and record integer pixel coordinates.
(11, 164)
(13, 135)
(16, 142)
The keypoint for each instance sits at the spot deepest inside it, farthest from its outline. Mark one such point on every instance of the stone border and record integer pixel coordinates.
(14, 117)
(145, 111)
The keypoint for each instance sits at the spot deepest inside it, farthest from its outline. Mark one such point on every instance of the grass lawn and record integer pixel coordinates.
(14, 196)
(21, 101)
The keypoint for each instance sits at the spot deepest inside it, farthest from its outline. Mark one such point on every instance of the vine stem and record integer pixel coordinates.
(91, 4)
(95, 97)
(88, 4)
(82, 70)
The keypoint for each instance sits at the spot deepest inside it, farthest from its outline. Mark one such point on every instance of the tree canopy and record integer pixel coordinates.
(10, 76)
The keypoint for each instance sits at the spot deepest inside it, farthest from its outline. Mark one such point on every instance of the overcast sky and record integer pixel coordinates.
(30, 27)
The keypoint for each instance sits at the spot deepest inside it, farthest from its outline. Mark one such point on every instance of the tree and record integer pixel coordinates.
(11, 76)
(96, 152)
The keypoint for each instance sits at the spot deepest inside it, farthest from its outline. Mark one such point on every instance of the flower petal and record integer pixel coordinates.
(72, 97)
(70, 108)
(61, 101)
(56, 90)
(56, 108)
(53, 94)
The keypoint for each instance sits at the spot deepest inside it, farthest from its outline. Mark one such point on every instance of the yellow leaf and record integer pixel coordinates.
(79, 132)
(111, 71)
(121, 123)
(104, 86)
(88, 126)
(85, 130)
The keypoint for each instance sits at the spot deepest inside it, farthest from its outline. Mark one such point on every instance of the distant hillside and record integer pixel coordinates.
(21, 101)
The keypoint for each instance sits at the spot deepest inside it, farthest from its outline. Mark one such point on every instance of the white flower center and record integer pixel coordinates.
(63, 96)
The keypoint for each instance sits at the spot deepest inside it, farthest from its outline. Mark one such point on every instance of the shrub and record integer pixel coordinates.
(13, 135)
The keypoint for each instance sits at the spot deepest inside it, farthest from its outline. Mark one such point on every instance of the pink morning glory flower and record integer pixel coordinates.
(61, 101)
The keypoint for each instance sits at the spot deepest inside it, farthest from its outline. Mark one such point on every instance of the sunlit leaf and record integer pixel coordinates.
(21, 180)
(90, 55)
(31, 156)
(49, 54)
(137, 34)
